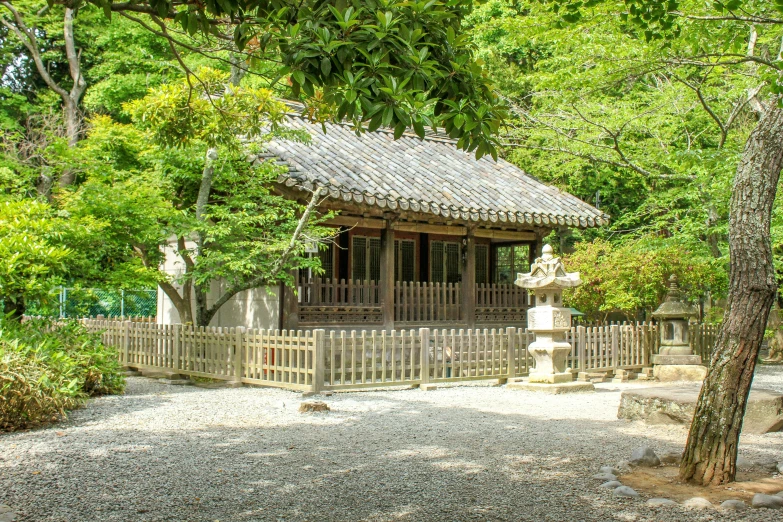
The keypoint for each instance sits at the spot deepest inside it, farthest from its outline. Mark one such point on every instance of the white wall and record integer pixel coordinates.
(255, 308)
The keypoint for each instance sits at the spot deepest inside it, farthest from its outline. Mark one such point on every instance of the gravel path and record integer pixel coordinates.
(466, 453)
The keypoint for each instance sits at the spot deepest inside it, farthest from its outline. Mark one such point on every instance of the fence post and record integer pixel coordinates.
(177, 351)
(424, 355)
(511, 352)
(319, 363)
(238, 347)
(581, 348)
(126, 343)
(615, 345)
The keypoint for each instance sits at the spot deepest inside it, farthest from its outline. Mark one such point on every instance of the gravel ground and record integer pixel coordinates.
(165, 452)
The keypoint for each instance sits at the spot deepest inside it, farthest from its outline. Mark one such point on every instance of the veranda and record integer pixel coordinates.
(318, 360)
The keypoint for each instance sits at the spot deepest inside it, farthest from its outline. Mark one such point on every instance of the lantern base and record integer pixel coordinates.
(676, 359)
(551, 378)
(679, 372)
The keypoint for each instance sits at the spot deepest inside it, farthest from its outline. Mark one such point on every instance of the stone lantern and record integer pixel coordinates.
(549, 320)
(675, 360)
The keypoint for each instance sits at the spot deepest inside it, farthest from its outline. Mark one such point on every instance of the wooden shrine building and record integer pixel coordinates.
(428, 235)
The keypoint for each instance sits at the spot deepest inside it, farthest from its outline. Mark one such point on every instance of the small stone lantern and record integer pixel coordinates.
(675, 360)
(549, 321)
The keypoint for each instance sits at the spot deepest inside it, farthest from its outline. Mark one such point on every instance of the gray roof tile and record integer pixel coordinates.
(427, 173)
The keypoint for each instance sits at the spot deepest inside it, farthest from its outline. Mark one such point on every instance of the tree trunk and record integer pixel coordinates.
(711, 451)
(14, 309)
(205, 189)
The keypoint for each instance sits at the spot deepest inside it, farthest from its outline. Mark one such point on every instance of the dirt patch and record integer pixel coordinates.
(663, 482)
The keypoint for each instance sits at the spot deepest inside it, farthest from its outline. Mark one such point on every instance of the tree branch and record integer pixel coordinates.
(27, 37)
(278, 266)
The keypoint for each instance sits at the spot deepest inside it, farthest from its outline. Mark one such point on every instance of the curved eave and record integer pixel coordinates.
(466, 214)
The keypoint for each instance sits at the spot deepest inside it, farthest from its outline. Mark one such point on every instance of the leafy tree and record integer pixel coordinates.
(703, 43)
(178, 182)
(630, 278)
(33, 253)
(394, 63)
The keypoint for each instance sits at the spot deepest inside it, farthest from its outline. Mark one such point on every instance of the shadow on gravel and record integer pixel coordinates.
(379, 457)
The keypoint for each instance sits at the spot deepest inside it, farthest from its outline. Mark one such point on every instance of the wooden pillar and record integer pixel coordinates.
(469, 280)
(386, 282)
(289, 305)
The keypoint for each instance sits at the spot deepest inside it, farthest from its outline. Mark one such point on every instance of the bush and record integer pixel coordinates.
(47, 369)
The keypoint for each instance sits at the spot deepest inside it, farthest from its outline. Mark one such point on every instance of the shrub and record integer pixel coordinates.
(47, 369)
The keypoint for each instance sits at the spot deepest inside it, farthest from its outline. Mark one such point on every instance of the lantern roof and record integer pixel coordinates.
(548, 272)
(673, 307)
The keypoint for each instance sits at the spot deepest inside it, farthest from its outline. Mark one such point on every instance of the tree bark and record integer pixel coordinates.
(711, 451)
(205, 189)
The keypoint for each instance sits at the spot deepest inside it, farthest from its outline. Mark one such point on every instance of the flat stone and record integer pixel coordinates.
(623, 467)
(428, 387)
(779, 494)
(327, 393)
(645, 457)
(671, 457)
(176, 382)
(7, 514)
(555, 389)
(612, 484)
(764, 412)
(162, 374)
(767, 465)
(734, 505)
(132, 373)
(679, 372)
(698, 503)
(605, 476)
(659, 417)
(625, 491)
(609, 469)
(761, 500)
(658, 502)
(308, 394)
(313, 406)
(676, 360)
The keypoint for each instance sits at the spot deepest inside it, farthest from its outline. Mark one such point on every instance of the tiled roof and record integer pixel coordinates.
(429, 175)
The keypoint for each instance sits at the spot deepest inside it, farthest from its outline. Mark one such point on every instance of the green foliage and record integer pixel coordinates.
(631, 278)
(47, 369)
(394, 63)
(32, 255)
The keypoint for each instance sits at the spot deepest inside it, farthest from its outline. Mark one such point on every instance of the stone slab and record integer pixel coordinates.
(162, 374)
(764, 413)
(679, 372)
(555, 389)
(428, 387)
(676, 359)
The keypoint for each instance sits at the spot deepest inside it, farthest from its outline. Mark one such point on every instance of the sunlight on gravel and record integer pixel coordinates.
(475, 452)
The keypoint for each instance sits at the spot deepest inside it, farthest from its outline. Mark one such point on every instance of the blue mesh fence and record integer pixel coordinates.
(90, 302)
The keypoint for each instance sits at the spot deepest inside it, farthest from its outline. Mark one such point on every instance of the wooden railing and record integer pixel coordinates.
(501, 296)
(426, 302)
(702, 339)
(277, 358)
(315, 360)
(334, 292)
(332, 301)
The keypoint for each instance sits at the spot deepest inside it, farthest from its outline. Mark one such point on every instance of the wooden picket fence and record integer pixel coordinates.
(315, 360)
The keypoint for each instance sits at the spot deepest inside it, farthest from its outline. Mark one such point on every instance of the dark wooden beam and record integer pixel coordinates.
(387, 275)
(469, 280)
